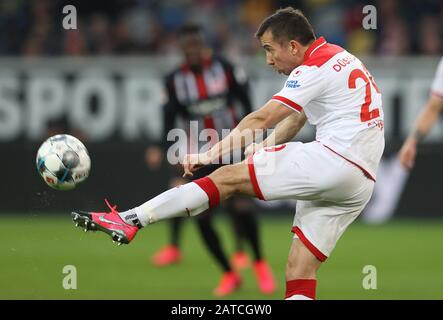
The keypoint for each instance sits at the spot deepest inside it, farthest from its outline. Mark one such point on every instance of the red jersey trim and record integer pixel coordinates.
(320, 52)
(201, 86)
(314, 46)
(209, 122)
(288, 102)
(317, 253)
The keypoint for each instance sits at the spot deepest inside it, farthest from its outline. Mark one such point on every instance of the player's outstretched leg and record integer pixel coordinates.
(186, 200)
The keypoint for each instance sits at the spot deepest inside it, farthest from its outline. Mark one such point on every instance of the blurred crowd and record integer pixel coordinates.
(116, 27)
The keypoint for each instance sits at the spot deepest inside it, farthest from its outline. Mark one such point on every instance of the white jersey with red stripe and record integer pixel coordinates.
(437, 84)
(340, 98)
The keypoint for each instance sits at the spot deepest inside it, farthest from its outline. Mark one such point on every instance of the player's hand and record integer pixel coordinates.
(154, 157)
(193, 162)
(408, 153)
(252, 148)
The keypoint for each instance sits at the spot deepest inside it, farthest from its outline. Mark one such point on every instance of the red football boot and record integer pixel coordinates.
(229, 283)
(107, 222)
(265, 278)
(167, 256)
(240, 260)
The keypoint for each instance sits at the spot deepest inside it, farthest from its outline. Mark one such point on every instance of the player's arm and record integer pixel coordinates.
(285, 131)
(244, 134)
(264, 118)
(424, 123)
(428, 117)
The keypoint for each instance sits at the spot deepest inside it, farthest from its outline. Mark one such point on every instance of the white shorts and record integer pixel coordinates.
(330, 191)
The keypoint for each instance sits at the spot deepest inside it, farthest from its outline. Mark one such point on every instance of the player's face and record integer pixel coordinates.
(193, 49)
(283, 57)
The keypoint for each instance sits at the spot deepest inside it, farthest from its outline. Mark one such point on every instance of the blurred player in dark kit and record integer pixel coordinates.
(203, 89)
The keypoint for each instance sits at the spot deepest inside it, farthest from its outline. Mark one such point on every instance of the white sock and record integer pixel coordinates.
(298, 297)
(182, 201)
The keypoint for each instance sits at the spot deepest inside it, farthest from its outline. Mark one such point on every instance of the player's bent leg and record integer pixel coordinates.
(301, 272)
(233, 179)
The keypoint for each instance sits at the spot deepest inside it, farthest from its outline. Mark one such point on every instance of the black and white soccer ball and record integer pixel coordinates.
(63, 161)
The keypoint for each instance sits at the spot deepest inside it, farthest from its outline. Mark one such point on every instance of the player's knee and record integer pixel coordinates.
(226, 180)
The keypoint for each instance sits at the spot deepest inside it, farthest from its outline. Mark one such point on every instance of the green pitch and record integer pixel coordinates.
(34, 249)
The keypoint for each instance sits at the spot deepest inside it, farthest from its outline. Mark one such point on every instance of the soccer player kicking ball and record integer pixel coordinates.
(425, 121)
(332, 178)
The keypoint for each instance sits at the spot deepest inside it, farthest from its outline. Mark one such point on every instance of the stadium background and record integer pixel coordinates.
(103, 83)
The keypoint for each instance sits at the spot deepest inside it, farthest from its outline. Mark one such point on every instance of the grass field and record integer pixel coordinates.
(34, 249)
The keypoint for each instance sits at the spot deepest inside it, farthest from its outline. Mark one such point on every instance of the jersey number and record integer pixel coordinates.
(365, 114)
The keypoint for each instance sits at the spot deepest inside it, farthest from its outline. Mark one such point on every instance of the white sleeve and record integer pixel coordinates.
(303, 85)
(437, 84)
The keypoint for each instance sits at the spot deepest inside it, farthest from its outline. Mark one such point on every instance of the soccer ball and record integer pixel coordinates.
(63, 162)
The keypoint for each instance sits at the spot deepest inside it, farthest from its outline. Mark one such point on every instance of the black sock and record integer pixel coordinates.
(239, 236)
(250, 223)
(211, 240)
(247, 223)
(176, 224)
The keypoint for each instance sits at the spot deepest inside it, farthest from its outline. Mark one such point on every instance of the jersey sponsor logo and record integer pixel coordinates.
(206, 107)
(292, 84)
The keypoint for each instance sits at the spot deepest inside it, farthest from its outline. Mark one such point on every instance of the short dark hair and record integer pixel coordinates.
(288, 24)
